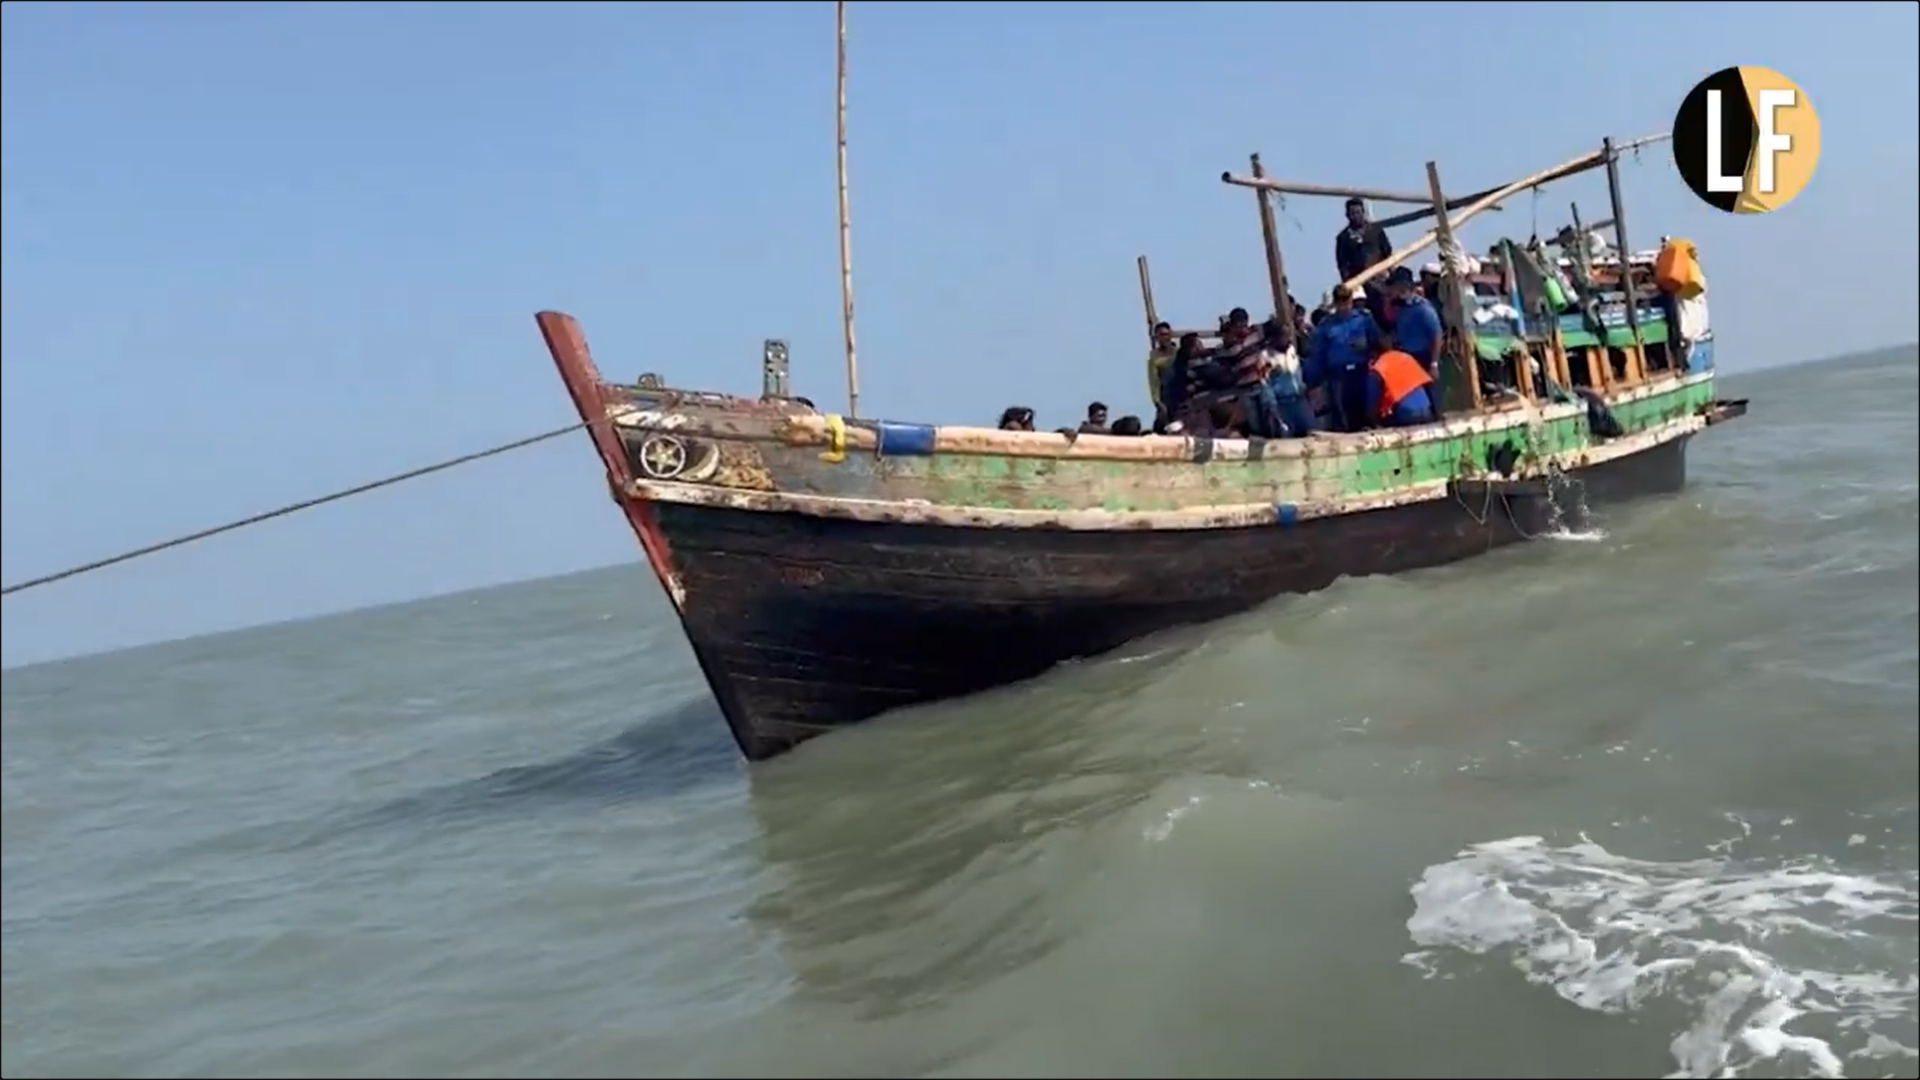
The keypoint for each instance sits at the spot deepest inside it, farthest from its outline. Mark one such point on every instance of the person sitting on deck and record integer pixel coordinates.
(1127, 425)
(1337, 359)
(1416, 325)
(1199, 390)
(1159, 358)
(1096, 421)
(1016, 418)
(1281, 361)
(1399, 390)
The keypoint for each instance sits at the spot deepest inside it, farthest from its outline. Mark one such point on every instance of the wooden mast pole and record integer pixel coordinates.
(1146, 295)
(1270, 238)
(1626, 254)
(846, 232)
(1456, 339)
(1599, 371)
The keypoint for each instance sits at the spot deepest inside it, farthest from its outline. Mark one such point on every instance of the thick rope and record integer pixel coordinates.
(308, 504)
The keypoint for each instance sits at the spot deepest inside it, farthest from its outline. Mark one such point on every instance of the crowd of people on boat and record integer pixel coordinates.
(1359, 360)
(1020, 418)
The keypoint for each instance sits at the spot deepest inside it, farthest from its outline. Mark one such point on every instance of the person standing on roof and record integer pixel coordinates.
(1360, 245)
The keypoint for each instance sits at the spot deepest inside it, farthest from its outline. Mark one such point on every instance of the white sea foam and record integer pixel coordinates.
(1569, 502)
(1803, 967)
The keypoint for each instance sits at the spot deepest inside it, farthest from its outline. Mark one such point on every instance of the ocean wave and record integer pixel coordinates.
(1799, 966)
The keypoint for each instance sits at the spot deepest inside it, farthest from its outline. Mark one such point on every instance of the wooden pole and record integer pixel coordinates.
(1276, 267)
(1454, 333)
(1442, 224)
(1599, 370)
(1626, 253)
(1425, 212)
(1260, 181)
(846, 232)
(1146, 295)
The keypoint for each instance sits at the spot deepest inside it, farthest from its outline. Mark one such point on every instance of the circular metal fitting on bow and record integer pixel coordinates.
(663, 457)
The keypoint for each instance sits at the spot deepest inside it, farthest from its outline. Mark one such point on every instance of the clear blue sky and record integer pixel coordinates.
(254, 252)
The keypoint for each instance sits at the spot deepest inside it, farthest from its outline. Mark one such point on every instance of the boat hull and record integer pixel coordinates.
(829, 569)
(804, 624)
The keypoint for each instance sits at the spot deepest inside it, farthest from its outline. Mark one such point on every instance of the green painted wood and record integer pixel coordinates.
(1006, 482)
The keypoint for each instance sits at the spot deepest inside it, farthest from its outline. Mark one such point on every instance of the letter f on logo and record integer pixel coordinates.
(1772, 143)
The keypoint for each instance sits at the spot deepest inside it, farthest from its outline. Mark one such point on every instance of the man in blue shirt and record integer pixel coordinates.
(1416, 325)
(1337, 357)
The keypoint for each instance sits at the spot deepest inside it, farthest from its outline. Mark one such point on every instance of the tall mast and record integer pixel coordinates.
(846, 233)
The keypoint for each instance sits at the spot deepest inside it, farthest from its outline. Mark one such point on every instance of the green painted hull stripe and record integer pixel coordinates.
(1007, 482)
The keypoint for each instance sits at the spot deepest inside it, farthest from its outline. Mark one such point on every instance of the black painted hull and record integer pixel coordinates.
(804, 624)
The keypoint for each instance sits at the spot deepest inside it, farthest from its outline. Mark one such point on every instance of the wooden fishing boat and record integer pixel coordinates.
(829, 568)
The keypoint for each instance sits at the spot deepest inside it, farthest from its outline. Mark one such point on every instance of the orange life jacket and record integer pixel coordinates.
(1400, 375)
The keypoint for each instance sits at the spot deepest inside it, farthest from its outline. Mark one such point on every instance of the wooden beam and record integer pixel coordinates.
(1261, 182)
(1592, 159)
(1146, 295)
(1426, 212)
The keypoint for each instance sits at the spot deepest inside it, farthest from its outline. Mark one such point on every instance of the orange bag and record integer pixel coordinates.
(1677, 269)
